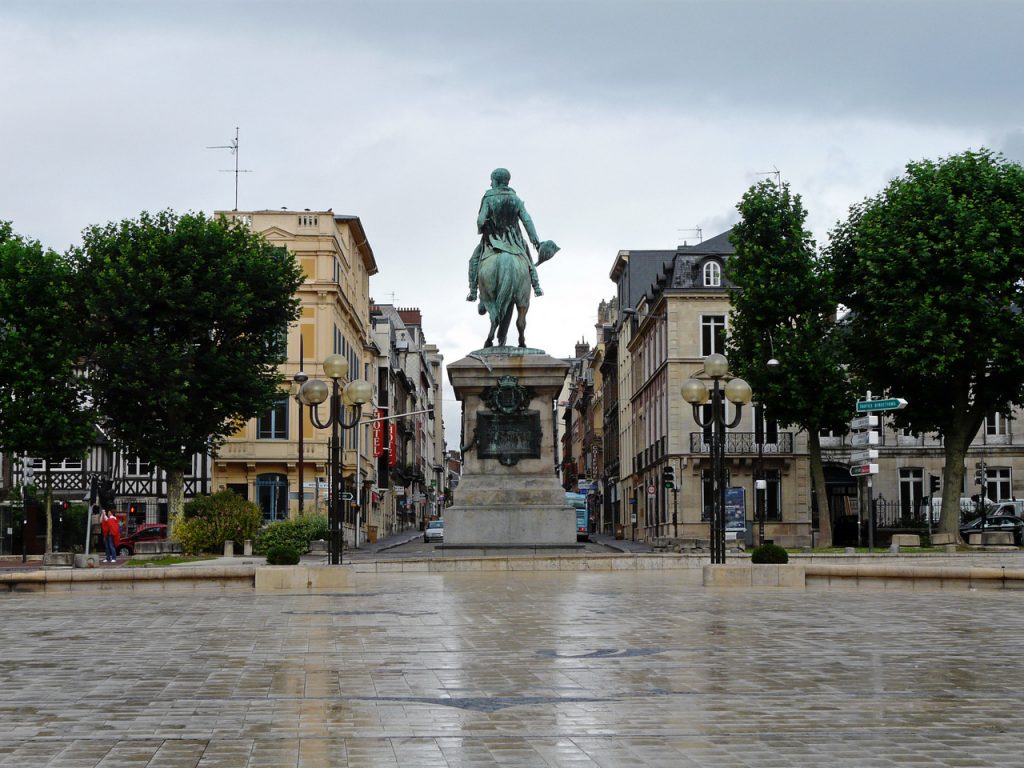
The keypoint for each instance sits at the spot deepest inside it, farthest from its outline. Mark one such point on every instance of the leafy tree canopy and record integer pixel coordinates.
(187, 321)
(931, 269)
(44, 409)
(784, 307)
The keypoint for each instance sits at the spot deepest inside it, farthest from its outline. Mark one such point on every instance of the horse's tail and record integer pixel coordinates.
(505, 285)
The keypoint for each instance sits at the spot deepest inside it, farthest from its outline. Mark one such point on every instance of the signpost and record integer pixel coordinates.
(859, 470)
(861, 461)
(862, 457)
(865, 438)
(889, 404)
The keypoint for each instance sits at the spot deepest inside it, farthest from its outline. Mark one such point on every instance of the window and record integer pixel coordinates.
(136, 467)
(308, 220)
(911, 490)
(272, 496)
(766, 430)
(273, 424)
(997, 483)
(712, 335)
(995, 424)
(712, 275)
(773, 494)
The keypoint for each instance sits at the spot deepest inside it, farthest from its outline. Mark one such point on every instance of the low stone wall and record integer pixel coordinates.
(882, 571)
(176, 578)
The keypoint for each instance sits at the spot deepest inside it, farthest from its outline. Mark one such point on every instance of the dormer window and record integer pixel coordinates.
(712, 275)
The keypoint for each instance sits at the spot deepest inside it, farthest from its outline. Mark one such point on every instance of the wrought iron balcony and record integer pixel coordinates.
(743, 442)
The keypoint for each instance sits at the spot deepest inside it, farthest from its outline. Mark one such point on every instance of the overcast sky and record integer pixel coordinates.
(625, 124)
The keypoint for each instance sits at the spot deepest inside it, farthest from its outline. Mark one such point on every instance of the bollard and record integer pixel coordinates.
(229, 548)
(247, 548)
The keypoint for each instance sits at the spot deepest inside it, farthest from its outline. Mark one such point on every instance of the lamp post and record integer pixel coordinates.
(298, 380)
(355, 393)
(696, 393)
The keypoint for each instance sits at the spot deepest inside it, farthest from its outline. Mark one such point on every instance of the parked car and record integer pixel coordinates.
(434, 531)
(995, 523)
(148, 532)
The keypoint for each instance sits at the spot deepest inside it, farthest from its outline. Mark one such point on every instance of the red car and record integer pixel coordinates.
(147, 532)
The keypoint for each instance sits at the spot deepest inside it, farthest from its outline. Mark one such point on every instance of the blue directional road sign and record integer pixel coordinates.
(889, 404)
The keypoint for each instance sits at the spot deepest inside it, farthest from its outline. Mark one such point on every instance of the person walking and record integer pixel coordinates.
(109, 526)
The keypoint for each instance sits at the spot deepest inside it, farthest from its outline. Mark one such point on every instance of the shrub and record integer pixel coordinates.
(769, 554)
(296, 533)
(283, 554)
(208, 521)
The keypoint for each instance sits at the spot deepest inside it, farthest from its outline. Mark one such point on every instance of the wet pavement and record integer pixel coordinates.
(545, 668)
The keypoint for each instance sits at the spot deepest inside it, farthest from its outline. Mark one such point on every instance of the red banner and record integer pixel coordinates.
(392, 444)
(378, 435)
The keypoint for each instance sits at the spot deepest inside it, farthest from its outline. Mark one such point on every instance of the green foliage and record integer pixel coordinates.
(296, 533)
(208, 521)
(931, 270)
(185, 319)
(769, 554)
(781, 288)
(44, 409)
(283, 554)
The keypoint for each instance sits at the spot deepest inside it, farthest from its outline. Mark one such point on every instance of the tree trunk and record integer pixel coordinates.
(175, 495)
(820, 491)
(955, 445)
(48, 509)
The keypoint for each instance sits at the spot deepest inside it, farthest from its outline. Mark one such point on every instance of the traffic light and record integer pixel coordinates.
(668, 477)
(979, 473)
(107, 493)
(933, 484)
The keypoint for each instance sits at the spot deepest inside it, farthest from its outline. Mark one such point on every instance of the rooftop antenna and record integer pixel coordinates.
(695, 230)
(233, 146)
(776, 173)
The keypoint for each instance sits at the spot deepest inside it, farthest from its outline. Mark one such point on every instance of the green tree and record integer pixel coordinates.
(187, 318)
(931, 271)
(44, 410)
(783, 306)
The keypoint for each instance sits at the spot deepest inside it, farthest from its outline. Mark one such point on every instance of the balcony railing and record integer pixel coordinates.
(743, 442)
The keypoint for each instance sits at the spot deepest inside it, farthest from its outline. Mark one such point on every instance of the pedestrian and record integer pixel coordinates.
(108, 525)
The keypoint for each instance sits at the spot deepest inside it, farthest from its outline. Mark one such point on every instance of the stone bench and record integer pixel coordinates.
(158, 548)
(905, 540)
(991, 538)
(939, 539)
(58, 560)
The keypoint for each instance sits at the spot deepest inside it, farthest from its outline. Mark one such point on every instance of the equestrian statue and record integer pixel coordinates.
(501, 267)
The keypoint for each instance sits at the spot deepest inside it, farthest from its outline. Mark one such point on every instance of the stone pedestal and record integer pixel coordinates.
(508, 495)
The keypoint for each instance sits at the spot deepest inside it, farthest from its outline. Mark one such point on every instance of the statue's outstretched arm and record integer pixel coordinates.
(528, 223)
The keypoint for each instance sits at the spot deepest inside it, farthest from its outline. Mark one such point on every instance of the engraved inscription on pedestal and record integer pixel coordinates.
(508, 437)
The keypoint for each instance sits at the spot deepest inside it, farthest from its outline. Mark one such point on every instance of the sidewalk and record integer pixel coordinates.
(620, 545)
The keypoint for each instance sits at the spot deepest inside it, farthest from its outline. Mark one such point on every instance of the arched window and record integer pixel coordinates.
(712, 275)
(272, 496)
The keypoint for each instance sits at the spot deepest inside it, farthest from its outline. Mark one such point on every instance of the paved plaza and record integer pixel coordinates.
(637, 668)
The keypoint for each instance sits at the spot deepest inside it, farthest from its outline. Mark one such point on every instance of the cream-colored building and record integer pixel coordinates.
(675, 313)
(262, 460)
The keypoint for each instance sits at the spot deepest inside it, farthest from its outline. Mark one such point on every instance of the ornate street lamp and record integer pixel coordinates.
(355, 393)
(695, 392)
(298, 380)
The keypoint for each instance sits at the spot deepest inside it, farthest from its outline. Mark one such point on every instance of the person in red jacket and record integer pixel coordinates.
(109, 528)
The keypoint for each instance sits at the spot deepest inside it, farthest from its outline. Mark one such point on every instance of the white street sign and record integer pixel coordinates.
(865, 438)
(864, 422)
(864, 469)
(860, 457)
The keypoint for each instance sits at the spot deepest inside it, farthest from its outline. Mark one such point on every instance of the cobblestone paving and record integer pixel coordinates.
(514, 669)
